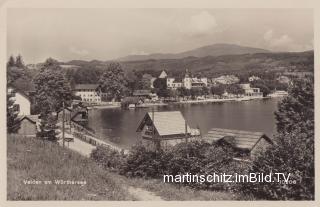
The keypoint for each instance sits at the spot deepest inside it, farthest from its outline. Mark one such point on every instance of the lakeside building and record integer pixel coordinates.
(252, 92)
(225, 80)
(173, 83)
(164, 129)
(247, 144)
(188, 82)
(145, 95)
(90, 93)
(21, 101)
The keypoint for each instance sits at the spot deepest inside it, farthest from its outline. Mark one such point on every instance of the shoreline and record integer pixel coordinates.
(209, 100)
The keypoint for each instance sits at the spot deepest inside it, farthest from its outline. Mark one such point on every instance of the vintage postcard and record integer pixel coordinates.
(159, 103)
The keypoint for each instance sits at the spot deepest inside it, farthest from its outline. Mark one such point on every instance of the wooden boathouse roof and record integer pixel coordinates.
(241, 139)
(166, 123)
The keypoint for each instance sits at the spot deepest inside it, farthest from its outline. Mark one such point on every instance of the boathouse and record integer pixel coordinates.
(247, 143)
(164, 129)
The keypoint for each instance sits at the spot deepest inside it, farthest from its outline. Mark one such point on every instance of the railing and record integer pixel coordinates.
(91, 139)
(82, 128)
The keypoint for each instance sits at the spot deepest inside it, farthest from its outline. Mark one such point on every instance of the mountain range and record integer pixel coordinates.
(209, 50)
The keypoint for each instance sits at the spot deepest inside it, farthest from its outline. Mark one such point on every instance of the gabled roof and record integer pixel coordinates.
(86, 86)
(242, 139)
(66, 109)
(32, 118)
(163, 74)
(167, 123)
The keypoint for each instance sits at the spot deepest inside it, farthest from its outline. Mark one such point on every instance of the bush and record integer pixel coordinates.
(142, 162)
(195, 158)
(108, 158)
(293, 151)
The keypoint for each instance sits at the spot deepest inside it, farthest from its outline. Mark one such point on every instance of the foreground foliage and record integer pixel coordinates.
(293, 151)
(196, 157)
(32, 159)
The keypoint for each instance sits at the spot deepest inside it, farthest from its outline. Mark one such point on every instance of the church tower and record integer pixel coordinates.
(187, 80)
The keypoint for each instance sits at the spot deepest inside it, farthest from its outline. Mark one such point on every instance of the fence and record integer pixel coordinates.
(90, 138)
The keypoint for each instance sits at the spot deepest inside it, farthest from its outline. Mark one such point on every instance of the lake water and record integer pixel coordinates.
(119, 125)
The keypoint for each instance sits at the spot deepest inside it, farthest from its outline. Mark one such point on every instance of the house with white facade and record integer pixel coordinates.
(252, 92)
(90, 93)
(21, 101)
(187, 82)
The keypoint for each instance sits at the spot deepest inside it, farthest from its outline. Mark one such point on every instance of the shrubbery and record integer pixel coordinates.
(196, 157)
(108, 158)
(293, 151)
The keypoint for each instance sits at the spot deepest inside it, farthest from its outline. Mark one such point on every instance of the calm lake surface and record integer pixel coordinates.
(119, 125)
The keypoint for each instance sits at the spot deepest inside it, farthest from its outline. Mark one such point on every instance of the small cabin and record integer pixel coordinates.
(164, 129)
(67, 115)
(28, 125)
(247, 144)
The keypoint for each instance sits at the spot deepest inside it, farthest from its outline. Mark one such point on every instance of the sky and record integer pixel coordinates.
(106, 34)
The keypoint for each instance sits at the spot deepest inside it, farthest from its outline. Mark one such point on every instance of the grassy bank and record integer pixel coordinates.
(175, 192)
(30, 159)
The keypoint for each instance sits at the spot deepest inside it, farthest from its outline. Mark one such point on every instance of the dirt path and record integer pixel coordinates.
(85, 149)
(143, 195)
(79, 146)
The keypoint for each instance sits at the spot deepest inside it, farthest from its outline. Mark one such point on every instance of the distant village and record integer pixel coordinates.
(91, 96)
(192, 89)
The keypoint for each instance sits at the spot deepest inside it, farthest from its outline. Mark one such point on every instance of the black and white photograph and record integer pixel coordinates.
(160, 104)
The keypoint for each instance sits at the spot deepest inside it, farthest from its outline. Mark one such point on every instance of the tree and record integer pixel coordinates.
(145, 82)
(15, 69)
(195, 92)
(182, 92)
(113, 81)
(218, 90)
(52, 90)
(19, 62)
(160, 83)
(132, 80)
(205, 91)
(235, 89)
(48, 127)
(11, 62)
(12, 115)
(293, 148)
(85, 75)
(297, 108)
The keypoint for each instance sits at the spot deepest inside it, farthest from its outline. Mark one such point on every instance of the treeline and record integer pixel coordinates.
(292, 153)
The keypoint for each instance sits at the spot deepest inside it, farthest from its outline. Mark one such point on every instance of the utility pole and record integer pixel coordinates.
(63, 124)
(186, 130)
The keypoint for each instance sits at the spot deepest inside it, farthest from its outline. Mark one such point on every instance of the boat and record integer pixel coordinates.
(132, 106)
(245, 98)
